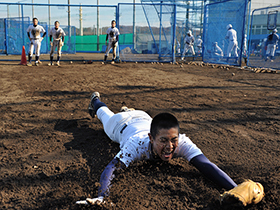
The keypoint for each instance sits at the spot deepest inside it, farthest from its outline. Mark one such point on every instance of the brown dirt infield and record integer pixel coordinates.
(53, 153)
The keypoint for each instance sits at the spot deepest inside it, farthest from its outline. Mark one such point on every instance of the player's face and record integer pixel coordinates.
(113, 24)
(165, 143)
(35, 22)
(56, 24)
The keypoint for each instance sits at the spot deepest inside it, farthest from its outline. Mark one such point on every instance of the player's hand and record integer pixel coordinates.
(51, 43)
(91, 201)
(41, 39)
(62, 43)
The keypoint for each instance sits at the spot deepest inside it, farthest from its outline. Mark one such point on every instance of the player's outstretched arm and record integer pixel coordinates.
(212, 172)
(105, 182)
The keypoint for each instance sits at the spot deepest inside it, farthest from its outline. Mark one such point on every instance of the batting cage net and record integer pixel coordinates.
(218, 18)
(264, 49)
(155, 30)
(85, 26)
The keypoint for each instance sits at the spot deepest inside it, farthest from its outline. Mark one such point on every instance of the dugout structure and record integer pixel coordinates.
(216, 18)
(263, 21)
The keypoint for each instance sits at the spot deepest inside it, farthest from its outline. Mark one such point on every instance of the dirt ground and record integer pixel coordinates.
(52, 153)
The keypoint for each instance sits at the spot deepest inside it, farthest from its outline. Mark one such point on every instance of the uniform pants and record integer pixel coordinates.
(109, 47)
(119, 127)
(232, 46)
(35, 43)
(271, 50)
(188, 47)
(58, 44)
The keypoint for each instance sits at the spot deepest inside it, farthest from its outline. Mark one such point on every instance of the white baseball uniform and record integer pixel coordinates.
(232, 45)
(130, 130)
(271, 42)
(112, 37)
(57, 35)
(35, 35)
(198, 43)
(189, 41)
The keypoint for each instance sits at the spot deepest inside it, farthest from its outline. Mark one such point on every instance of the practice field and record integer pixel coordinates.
(53, 153)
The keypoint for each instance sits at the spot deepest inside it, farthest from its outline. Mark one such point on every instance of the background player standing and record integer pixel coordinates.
(271, 43)
(189, 41)
(232, 37)
(198, 43)
(113, 36)
(34, 34)
(57, 34)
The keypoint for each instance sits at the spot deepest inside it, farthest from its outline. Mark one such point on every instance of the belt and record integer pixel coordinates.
(131, 121)
(123, 128)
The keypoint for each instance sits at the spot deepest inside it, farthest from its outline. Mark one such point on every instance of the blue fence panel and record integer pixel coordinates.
(217, 16)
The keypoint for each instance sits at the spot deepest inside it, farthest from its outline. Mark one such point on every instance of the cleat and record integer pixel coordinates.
(29, 64)
(57, 63)
(50, 64)
(112, 62)
(125, 109)
(36, 64)
(91, 111)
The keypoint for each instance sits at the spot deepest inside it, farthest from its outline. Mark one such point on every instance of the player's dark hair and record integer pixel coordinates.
(56, 22)
(113, 21)
(163, 121)
(35, 18)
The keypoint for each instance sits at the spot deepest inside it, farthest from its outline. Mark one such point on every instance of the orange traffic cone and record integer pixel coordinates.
(23, 57)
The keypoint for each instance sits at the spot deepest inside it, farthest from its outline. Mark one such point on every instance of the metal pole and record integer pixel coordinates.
(69, 25)
(19, 9)
(97, 29)
(8, 12)
(81, 20)
(160, 30)
(32, 9)
(134, 27)
(49, 13)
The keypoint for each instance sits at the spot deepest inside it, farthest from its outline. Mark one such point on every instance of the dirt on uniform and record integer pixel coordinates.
(52, 153)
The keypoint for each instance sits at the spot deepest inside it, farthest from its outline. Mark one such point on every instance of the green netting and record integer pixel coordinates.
(89, 43)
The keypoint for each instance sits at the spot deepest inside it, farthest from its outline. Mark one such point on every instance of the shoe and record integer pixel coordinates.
(39, 62)
(36, 64)
(57, 63)
(182, 59)
(91, 111)
(125, 109)
(50, 64)
(112, 62)
(271, 60)
(29, 64)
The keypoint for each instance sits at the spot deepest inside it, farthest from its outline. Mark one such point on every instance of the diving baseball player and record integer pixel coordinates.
(34, 34)
(57, 34)
(271, 43)
(189, 41)
(113, 36)
(232, 38)
(143, 138)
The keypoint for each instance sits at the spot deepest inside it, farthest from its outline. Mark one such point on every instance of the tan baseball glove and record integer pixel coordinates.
(248, 192)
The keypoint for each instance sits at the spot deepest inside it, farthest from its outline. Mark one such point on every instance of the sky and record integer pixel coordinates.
(89, 14)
